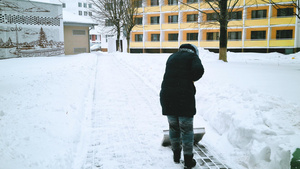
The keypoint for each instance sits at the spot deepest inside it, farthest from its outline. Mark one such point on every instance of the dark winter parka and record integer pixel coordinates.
(177, 95)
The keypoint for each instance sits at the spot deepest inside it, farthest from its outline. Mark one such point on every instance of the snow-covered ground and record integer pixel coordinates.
(102, 110)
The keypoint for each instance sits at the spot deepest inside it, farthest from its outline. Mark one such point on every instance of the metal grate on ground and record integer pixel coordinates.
(205, 159)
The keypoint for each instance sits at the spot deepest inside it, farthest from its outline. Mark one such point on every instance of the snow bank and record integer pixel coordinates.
(42, 110)
(249, 106)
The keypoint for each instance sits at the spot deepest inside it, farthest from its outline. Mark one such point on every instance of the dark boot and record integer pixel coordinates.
(189, 162)
(176, 156)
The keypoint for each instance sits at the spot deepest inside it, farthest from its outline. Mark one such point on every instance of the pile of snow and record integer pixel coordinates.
(250, 107)
(43, 104)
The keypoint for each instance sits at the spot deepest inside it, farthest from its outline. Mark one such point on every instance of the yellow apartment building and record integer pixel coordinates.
(255, 26)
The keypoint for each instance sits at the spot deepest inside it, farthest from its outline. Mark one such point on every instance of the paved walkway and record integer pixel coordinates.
(126, 121)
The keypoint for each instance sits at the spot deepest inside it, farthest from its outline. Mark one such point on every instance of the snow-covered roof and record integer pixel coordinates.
(48, 1)
(70, 18)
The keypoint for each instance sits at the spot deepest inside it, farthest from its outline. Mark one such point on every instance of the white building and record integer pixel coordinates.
(99, 34)
(30, 29)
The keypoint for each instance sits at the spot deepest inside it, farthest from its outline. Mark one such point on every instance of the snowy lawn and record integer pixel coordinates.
(250, 108)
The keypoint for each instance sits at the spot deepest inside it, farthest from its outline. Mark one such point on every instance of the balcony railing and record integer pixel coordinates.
(255, 43)
(136, 44)
(282, 20)
(256, 22)
(282, 43)
(189, 25)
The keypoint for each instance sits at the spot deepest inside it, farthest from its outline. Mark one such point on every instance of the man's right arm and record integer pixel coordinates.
(197, 69)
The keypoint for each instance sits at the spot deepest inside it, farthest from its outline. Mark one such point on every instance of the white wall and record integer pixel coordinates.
(31, 20)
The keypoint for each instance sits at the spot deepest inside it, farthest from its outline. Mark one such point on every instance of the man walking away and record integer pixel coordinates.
(177, 98)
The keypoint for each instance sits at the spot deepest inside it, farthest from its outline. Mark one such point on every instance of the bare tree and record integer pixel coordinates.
(109, 13)
(291, 4)
(129, 18)
(223, 10)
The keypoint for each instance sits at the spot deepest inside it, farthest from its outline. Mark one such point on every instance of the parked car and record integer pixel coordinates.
(95, 47)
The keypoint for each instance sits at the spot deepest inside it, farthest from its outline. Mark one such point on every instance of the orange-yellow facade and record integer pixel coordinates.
(255, 24)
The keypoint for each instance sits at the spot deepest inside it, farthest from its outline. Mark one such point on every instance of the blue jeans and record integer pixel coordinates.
(181, 131)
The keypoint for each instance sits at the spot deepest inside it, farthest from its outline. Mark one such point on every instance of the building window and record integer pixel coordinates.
(64, 5)
(191, 1)
(212, 16)
(172, 2)
(212, 36)
(93, 37)
(285, 12)
(85, 13)
(258, 35)
(192, 18)
(90, 13)
(139, 37)
(78, 32)
(284, 34)
(90, 5)
(173, 36)
(173, 19)
(234, 35)
(84, 5)
(108, 22)
(139, 3)
(192, 36)
(154, 20)
(154, 2)
(259, 14)
(235, 15)
(155, 37)
(139, 21)
(79, 12)
(79, 4)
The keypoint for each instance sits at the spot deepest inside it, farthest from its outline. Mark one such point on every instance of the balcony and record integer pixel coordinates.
(169, 8)
(184, 7)
(209, 25)
(232, 43)
(150, 44)
(152, 27)
(283, 20)
(152, 9)
(189, 25)
(214, 44)
(137, 28)
(256, 2)
(136, 44)
(170, 26)
(170, 44)
(235, 23)
(282, 43)
(255, 43)
(190, 42)
(256, 22)
(140, 10)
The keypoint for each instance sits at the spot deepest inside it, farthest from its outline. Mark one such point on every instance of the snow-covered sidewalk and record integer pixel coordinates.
(102, 110)
(126, 120)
